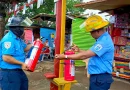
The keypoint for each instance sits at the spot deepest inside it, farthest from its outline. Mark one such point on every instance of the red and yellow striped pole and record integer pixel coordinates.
(62, 40)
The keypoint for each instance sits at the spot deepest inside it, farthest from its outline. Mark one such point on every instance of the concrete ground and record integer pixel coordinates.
(38, 82)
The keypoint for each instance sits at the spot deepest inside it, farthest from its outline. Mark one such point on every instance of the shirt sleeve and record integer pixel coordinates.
(100, 48)
(8, 47)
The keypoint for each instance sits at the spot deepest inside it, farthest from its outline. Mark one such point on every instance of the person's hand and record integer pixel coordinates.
(59, 56)
(75, 48)
(25, 66)
(38, 39)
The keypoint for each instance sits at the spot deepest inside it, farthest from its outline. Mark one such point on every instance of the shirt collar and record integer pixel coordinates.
(104, 34)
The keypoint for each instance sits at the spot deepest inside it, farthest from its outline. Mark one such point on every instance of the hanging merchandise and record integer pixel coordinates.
(121, 39)
(122, 21)
(24, 9)
(38, 3)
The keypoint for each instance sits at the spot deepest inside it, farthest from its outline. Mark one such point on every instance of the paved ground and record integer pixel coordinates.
(38, 82)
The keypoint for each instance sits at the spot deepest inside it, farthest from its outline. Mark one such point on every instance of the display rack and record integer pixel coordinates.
(121, 38)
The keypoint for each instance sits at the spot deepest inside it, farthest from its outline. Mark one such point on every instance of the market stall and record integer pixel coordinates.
(121, 38)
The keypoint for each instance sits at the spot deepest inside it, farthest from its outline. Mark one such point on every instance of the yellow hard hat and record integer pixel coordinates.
(93, 23)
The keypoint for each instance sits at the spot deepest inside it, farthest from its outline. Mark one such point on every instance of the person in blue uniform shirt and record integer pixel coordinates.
(12, 57)
(101, 54)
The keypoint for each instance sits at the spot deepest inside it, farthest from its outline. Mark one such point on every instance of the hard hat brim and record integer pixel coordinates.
(102, 25)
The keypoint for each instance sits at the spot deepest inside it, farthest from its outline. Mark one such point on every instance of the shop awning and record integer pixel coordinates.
(104, 5)
(52, 18)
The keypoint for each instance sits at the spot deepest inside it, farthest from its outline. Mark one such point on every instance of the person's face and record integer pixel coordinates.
(94, 34)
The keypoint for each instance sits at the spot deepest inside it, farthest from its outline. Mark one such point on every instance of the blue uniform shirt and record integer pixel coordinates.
(11, 45)
(104, 50)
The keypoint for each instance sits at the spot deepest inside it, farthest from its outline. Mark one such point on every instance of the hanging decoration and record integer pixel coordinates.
(31, 6)
(28, 4)
(41, 2)
(24, 9)
(16, 6)
(29, 1)
(17, 12)
(38, 3)
(55, 1)
(17, 9)
(10, 10)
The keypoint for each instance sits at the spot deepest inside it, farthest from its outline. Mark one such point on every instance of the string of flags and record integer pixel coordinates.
(24, 7)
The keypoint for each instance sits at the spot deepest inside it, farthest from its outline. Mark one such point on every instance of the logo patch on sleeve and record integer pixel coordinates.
(98, 47)
(7, 45)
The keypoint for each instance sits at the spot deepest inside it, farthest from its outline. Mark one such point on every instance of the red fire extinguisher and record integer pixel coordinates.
(32, 60)
(69, 73)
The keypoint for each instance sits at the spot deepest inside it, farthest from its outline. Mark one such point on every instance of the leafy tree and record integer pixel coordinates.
(73, 10)
(48, 8)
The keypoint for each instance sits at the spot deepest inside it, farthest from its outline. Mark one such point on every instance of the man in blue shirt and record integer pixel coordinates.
(12, 57)
(101, 54)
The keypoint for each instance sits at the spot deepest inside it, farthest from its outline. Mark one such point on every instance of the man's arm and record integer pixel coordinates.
(81, 51)
(80, 56)
(11, 60)
(28, 47)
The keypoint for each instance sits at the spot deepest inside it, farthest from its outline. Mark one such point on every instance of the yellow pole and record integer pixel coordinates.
(62, 41)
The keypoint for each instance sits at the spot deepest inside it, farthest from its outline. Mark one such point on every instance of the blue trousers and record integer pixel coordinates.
(13, 80)
(100, 81)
